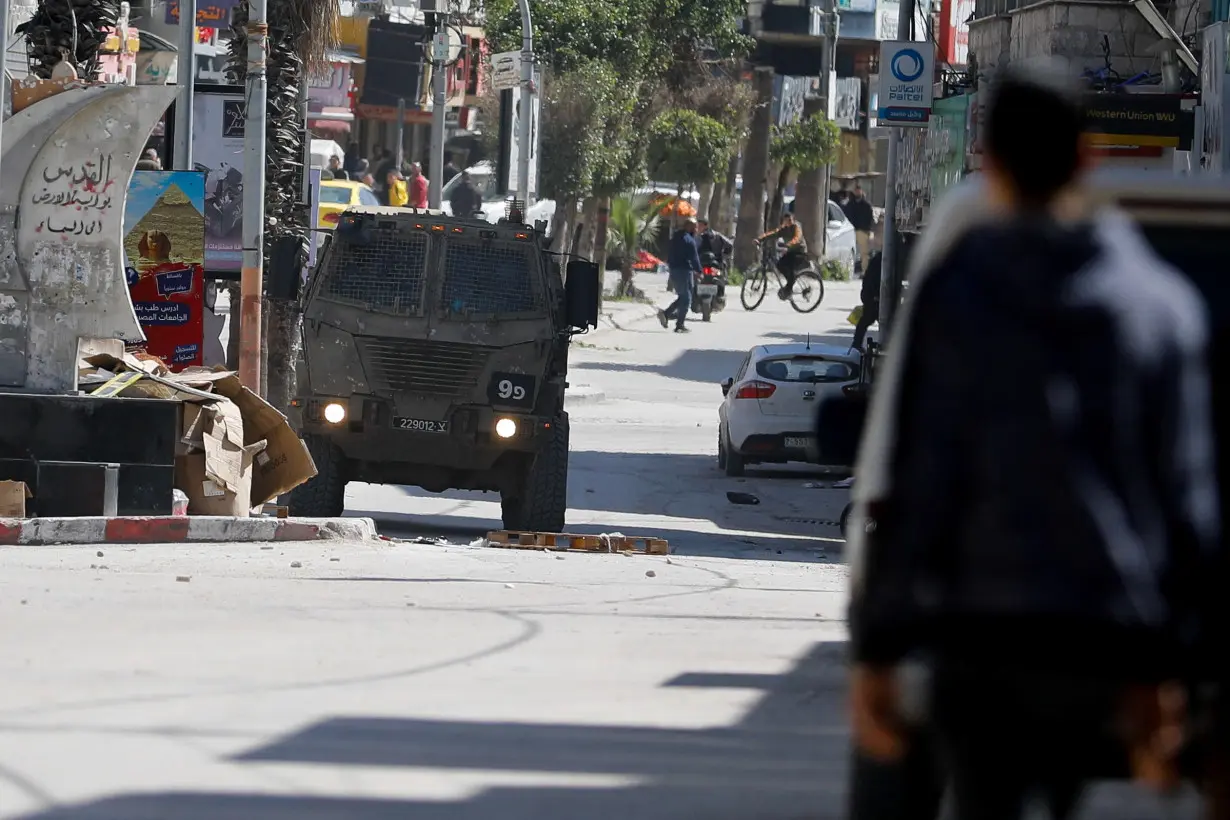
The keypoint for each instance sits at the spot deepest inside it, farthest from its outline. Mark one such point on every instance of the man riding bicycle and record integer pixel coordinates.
(795, 256)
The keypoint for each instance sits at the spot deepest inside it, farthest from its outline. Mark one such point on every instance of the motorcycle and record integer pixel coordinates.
(709, 287)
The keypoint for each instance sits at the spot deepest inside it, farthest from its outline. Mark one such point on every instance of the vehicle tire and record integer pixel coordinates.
(812, 287)
(706, 311)
(754, 289)
(325, 495)
(721, 450)
(542, 503)
(734, 462)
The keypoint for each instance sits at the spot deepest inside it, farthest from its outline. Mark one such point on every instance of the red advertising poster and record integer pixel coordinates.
(165, 249)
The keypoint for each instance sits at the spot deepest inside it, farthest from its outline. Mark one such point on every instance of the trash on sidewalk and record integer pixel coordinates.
(13, 495)
(512, 539)
(845, 483)
(436, 542)
(235, 451)
(742, 498)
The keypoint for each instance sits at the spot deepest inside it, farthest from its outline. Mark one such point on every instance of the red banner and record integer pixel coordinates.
(169, 299)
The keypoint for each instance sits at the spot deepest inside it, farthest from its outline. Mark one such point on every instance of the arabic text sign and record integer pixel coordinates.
(907, 71)
(209, 13)
(75, 200)
(505, 70)
(164, 247)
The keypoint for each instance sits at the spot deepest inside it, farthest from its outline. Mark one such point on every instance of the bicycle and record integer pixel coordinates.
(807, 283)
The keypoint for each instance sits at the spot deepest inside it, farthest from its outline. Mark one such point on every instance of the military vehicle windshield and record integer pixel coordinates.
(405, 272)
(489, 276)
(384, 275)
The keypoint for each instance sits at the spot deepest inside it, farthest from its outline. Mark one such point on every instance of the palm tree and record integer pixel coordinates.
(630, 228)
(68, 29)
(300, 34)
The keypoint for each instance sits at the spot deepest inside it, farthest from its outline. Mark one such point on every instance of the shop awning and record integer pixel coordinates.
(331, 119)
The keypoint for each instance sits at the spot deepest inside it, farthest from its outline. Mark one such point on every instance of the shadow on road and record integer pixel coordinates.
(708, 366)
(792, 522)
(784, 760)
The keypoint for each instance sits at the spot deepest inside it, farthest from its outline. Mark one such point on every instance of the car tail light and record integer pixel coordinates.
(710, 271)
(756, 390)
(333, 219)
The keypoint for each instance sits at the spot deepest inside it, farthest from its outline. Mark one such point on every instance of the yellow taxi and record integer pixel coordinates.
(336, 195)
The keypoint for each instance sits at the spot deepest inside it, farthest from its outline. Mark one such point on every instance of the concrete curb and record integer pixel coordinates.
(583, 394)
(176, 529)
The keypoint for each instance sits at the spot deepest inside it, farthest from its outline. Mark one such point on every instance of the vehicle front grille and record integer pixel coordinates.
(385, 274)
(430, 368)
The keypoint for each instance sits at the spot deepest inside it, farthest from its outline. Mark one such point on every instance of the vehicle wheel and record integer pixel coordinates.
(325, 495)
(808, 292)
(721, 451)
(706, 311)
(753, 290)
(734, 462)
(543, 500)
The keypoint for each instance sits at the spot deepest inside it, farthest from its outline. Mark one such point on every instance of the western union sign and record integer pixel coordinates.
(1155, 120)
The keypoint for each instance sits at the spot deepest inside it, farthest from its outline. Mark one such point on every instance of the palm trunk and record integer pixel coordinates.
(601, 234)
(810, 200)
(589, 222)
(755, 174)
(707, 190)
(779, 195)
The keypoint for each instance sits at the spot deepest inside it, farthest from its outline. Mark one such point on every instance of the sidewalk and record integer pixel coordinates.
(617, 315)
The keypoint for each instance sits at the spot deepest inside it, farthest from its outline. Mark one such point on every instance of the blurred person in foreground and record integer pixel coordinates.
(1035, 514)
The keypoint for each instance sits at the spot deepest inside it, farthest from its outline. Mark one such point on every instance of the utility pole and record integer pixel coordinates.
(4, 50)
(400, 155)
(812, 194)
(890, 276)
(832, 24)
(185, 72)
(525, 124)
(252, 274)
(439, 69)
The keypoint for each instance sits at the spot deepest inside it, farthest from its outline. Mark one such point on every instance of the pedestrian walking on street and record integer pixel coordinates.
(858, 210)
(395, 192)
(1036, 516)
(466, 200)
(418, 186)
(683, 262)
(450, 169)
(870, 297)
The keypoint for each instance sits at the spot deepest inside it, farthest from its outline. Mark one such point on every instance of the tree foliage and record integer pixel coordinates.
(686, 147)
(806, 144)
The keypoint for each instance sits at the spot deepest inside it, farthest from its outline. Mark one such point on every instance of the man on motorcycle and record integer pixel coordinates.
(710, 241)
(796, 251)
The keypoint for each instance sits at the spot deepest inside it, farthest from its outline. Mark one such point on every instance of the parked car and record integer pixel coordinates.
(841, 243)
(769, 411)
(495, 202)
(336, 195)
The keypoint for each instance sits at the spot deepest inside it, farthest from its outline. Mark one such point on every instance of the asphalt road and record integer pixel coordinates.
(346, 681)
(644, 460)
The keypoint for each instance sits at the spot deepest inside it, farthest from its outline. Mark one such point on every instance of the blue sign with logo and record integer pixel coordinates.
(907, 72)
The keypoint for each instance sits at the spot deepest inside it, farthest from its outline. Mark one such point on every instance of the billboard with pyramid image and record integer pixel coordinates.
(164, 250)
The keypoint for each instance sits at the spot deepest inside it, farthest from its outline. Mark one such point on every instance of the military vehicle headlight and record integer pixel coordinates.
(506, 428)
(335, 413)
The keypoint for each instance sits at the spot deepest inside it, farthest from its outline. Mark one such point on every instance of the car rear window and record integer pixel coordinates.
(333, 195)
(808, 369)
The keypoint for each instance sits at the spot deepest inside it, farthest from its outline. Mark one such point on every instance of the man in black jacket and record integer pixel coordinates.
(1044, 524)
(870, 297)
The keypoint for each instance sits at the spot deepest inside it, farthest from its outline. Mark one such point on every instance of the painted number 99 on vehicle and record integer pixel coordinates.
(512, 389)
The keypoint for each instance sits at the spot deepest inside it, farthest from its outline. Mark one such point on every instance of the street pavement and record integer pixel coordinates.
(644, 459)
(392, 679)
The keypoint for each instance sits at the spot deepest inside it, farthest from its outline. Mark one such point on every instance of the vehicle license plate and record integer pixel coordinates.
(799, 442)
(706, 290)
(421, 425)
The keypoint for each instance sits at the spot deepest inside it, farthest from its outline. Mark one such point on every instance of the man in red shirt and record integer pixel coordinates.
(418, 187)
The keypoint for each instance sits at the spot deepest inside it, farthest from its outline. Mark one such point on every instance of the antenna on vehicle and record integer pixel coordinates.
(809, 341)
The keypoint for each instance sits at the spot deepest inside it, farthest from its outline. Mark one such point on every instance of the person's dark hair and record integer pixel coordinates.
(1033, 131)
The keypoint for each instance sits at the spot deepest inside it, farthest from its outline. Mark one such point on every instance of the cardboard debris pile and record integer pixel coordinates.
(235, 452)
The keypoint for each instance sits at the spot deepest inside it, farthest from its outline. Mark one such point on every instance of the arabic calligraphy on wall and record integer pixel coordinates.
(209, 13)
(81, 193)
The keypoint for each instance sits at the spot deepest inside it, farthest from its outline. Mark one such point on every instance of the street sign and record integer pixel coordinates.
(506, 70)
(907, 71)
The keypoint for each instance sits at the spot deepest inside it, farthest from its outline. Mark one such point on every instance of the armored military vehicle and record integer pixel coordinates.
(435, 354)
